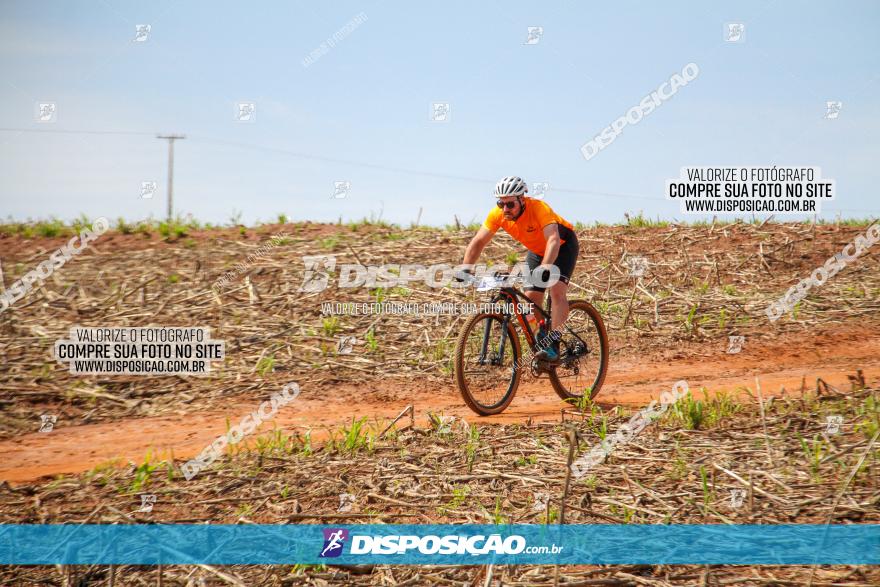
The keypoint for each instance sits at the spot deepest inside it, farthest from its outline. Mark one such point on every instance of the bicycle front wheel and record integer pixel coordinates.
(583, 354)
(486, 359)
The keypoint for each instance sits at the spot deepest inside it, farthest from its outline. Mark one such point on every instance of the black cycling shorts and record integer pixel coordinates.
(565, 260)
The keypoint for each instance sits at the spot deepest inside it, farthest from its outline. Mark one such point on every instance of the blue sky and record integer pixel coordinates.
(360, 113)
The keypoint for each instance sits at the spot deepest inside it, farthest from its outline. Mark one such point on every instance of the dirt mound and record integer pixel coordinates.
(702, 284)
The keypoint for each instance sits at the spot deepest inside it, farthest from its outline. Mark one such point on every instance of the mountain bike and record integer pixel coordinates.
(488, 353)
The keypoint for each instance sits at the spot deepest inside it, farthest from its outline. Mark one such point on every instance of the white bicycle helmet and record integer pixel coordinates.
(511, 186)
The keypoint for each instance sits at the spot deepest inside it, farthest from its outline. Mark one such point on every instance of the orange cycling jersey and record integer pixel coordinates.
(529, 227)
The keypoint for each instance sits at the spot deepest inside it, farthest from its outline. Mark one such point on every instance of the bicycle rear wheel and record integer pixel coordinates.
(486, 354)
(583, 354)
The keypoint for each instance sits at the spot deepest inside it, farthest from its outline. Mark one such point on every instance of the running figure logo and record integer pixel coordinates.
(334, 539)
(47, 422)
(832, 109)
(314, 279)
(734, 32)
(440, 112)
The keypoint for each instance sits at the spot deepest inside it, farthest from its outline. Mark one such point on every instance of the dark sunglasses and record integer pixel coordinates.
(508, 205)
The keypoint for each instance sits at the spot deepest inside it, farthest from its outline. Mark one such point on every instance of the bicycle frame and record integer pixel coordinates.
(478, 344)
(511, 295)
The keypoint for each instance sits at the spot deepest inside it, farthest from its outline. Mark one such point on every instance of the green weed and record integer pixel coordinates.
(473, 444)
(602, 428)
(372, 343)
(124, 227)
(51, 228)
(459, 496)
(266, 365)
(355, 437)
(640, 221)
(331, 325)
(583, 403)
(301, 568)
(142, 474)
(868, 417)
(276, 441)
(813, 454)
(721, 406)
(704, 478)
(689, 320)
(689, 412)
(524, 461)
(497, 517)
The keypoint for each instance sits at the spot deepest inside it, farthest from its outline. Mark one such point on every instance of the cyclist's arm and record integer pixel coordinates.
(476, 246)
(551, 251)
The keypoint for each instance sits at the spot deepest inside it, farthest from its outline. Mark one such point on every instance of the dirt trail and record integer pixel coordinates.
(631, 381)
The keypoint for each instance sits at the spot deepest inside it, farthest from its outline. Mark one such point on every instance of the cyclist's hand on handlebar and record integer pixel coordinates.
(546, 271)
(464, 276)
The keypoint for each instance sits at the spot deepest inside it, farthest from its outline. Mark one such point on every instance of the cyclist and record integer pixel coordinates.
(550, 240)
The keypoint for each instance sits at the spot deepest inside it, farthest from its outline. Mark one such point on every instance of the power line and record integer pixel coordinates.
(335, 160)
(405, 170)
(78, 132)
(300, 155)
(377, 166)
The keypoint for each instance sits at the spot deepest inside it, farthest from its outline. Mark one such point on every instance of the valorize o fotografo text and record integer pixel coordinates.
(769, 189)
(155, 350)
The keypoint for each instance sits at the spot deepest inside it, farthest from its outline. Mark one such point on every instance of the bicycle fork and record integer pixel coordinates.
(484, 351)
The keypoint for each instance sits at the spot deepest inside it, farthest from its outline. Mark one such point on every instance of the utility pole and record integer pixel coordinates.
(171, 139)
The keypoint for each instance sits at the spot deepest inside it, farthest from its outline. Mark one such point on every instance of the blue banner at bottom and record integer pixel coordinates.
(439, 544)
